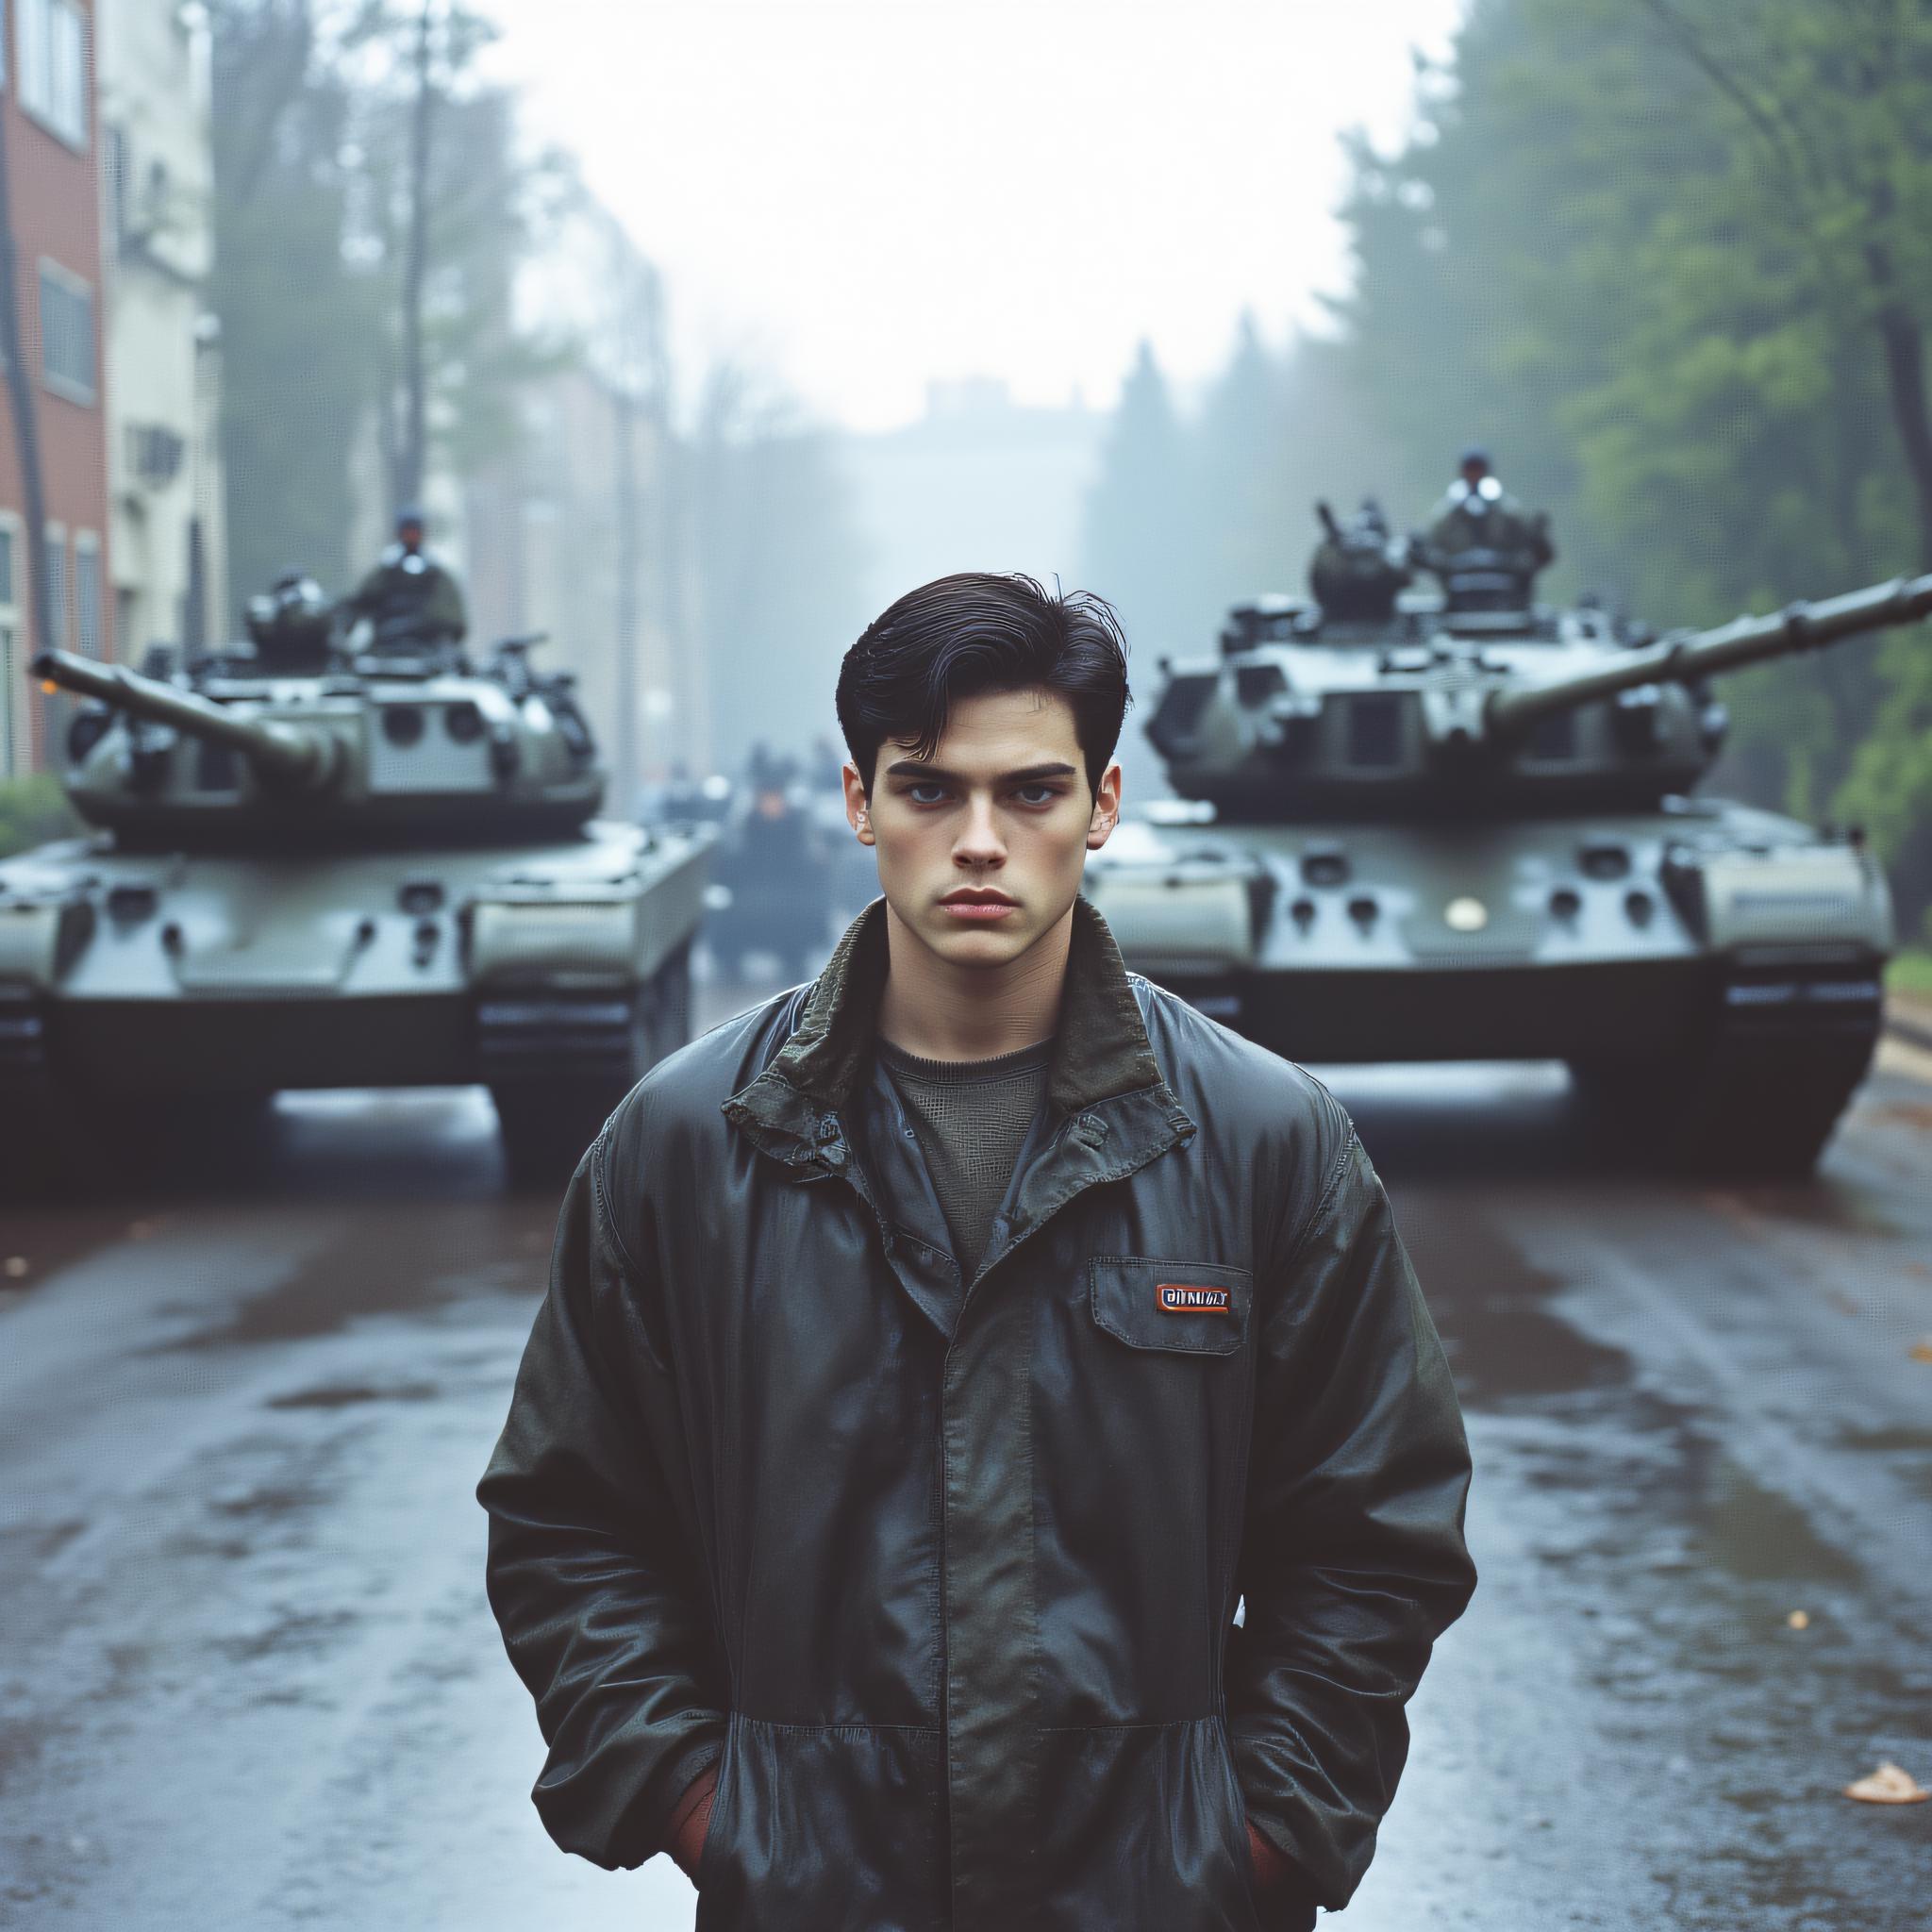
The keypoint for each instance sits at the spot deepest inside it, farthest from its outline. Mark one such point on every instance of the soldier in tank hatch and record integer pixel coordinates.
(1477, 513)
(410, 598)
(1357, 571)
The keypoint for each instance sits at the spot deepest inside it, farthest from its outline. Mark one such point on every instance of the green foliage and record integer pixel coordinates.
(1909, 972)
(484, 200)
(1190, 515)
(296, 321)
(33, 809)
(1672, 259)
(312, 148)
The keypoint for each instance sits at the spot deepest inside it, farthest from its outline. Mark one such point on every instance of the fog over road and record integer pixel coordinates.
(248, 1678)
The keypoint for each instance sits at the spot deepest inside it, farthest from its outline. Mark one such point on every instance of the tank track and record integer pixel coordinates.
(1760, 1098)
(556, 1065)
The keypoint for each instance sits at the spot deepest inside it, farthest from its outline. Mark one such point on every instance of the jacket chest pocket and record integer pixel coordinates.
(1175, 1308)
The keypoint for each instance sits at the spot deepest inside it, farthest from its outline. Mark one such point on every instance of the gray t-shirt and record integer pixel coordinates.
(971, 1118)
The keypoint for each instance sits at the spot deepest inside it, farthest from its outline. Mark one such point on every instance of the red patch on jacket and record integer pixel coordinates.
(1177, 1298)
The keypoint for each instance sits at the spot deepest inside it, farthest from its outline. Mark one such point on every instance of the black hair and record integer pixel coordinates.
(964, 635)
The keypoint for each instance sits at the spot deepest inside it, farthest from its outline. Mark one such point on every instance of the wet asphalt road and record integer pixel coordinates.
(248, 1679)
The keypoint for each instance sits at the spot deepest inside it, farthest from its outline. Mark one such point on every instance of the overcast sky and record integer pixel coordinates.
(859, 196)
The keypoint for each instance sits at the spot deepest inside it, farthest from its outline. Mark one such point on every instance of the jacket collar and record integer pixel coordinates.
(794, 1108)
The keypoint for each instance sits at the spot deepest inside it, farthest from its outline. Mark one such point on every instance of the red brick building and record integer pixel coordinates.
(54, 204)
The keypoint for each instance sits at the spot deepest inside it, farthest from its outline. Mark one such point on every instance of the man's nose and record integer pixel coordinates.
(979, 842)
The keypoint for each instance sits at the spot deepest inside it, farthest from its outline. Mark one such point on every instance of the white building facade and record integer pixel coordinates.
(163, 345)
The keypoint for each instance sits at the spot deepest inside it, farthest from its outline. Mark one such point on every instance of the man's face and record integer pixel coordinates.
(982, 845)
(410, 537)
(1474, 473)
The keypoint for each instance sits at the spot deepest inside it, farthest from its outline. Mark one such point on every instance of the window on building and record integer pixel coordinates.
(115, 172)
(14, 750)
(54, 562)
(52, 41)
(67, 333)
(154, 453)
(87, 593)
(126, 624)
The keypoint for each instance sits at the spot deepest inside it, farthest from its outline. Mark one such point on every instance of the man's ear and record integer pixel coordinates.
(858, 807)
(1106, 808)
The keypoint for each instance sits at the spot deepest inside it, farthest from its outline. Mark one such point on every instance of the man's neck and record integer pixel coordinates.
(940, 1010)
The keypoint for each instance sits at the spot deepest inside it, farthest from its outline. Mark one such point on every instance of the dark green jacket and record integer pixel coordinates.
(426, 599)
(956, 1614)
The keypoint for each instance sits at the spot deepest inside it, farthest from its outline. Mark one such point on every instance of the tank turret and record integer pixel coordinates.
(1685, 656)
(237, 753)
(1469, 833)
(1570, 712)
(319, 868)
(285, 758)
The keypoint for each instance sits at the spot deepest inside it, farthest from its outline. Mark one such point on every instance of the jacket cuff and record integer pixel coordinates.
(647, 1824)
(1283, 1902)
(1287, 1908)
(690, 1821)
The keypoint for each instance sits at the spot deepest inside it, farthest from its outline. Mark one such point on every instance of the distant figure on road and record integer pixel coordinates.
(408, 598)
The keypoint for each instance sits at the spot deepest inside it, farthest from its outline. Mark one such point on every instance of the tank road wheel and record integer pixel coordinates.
(670, 1005)
(70, 1143)
(224, 1137)
(47, 1153)
(1769, 1115)
(547, 1118)
(546, 1124)
(1754, 1114)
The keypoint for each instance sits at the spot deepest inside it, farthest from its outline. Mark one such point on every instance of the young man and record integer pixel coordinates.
(984, 1461)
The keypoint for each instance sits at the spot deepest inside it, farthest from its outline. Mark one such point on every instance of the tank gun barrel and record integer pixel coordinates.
(286, 756)
(1744, 640)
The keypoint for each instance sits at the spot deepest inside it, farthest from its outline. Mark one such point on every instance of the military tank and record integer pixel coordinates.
(1462, 826)
(312, 868)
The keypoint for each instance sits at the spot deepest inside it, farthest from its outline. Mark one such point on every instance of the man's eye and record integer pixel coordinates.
(926, 793)
(1038, 794)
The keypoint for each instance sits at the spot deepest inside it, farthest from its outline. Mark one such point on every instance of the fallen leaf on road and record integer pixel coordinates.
(1921, 1351)
(1799, 1620)
(1889, 1784)
(16, 1267)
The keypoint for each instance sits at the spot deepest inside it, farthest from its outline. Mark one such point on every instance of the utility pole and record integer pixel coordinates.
(406, 477)
(624, 757)
(26, 434)
(635, 364)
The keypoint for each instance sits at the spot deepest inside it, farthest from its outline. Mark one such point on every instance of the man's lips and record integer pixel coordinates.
(971, 904)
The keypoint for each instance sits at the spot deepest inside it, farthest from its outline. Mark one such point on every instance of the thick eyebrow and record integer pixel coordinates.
(1030, 774)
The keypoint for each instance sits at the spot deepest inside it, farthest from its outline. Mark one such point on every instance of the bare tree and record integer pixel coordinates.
(26, 434)
(409, 456)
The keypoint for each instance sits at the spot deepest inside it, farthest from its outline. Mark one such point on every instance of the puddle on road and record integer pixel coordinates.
(1833, 1206)
(348, 1394)
(1753, 1532)
(289, 1636)
(391, 1261)
(1909, 1450)
(1504, 1342)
